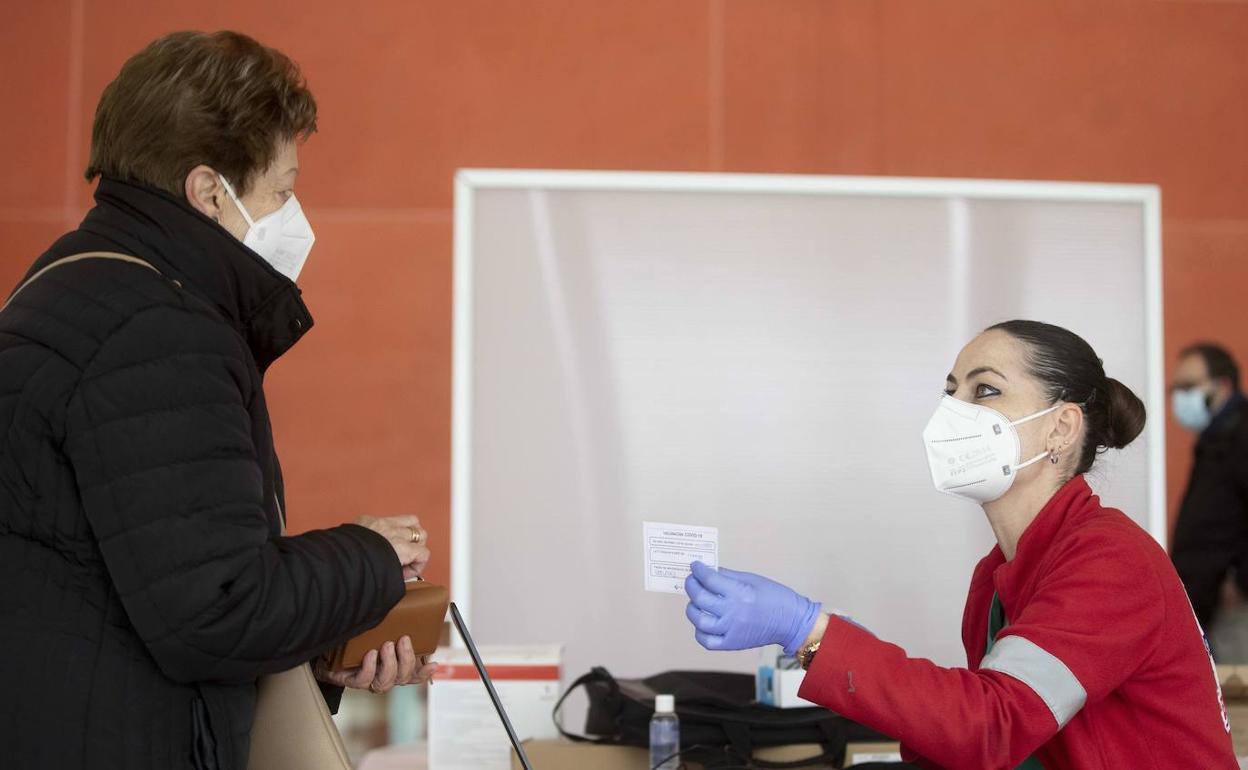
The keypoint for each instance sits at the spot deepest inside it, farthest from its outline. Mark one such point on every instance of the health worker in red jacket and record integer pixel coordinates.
(1082, 648)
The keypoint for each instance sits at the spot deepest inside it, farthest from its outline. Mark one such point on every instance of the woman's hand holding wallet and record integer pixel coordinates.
(391, 653)
(394, 663)
(382, 670)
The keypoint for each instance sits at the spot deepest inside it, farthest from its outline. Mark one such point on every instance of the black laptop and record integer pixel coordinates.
(489, 686)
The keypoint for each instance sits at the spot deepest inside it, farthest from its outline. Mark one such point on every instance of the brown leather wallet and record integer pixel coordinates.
(419, 614)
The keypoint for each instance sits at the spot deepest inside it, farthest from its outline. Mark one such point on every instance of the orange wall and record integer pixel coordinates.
(409, 91)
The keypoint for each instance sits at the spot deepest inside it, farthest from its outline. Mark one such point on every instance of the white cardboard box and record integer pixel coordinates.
(465, 732)
(777, 681)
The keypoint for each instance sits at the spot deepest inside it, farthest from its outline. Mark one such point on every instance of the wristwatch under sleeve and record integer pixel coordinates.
(806, 655)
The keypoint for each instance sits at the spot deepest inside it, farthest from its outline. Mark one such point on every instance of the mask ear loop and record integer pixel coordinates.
(234, 197)
(1044, 454)
(1033, 461)
(1037, 415)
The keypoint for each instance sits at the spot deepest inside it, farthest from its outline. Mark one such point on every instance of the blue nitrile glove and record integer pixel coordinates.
(739, 610)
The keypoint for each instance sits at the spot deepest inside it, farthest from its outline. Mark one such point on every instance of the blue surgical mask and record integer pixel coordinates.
(1191, 409)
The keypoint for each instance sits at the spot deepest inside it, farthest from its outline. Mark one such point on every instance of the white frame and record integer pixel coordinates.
(467, 181)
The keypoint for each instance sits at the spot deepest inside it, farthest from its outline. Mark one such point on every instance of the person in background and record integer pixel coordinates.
(1211, 534)
(1082, 649)
(145, 578)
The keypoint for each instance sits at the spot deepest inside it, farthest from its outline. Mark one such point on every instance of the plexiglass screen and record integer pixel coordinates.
(764, 364)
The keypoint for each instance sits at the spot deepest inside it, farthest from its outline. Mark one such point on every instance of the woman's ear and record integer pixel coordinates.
(205, 192)
(1067, 429)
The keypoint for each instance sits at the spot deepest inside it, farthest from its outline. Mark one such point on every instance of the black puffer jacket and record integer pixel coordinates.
(144, 584)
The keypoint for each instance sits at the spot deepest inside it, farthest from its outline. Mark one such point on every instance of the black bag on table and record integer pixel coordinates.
(721, 723)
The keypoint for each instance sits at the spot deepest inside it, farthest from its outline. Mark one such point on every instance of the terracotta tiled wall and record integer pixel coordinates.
(412, 89)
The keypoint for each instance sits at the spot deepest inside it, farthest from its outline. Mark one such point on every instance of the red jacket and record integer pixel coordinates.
(1101, 665)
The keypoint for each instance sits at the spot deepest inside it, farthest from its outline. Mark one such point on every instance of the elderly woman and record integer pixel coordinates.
(145, 582)
(1083, 651)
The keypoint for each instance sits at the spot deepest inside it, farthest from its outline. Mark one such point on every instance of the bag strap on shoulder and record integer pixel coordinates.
(78, 258)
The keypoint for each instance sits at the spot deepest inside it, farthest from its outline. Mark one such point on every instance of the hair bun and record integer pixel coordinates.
(1125, 416)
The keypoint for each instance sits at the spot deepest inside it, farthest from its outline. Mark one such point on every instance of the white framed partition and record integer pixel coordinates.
(757, 353)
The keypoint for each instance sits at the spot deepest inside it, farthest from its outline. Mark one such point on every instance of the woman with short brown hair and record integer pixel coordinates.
(145, 582)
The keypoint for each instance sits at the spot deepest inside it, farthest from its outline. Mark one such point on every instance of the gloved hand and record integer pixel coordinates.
(739, 610)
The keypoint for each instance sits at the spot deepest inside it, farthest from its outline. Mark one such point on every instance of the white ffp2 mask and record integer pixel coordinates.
(973, 451)
(283, 238)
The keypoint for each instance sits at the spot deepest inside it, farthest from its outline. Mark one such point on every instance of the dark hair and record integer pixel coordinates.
(1217, 360)
(219, 99)
(1072, 372)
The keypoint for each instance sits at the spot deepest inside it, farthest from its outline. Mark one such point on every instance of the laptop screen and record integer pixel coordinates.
(489, 686)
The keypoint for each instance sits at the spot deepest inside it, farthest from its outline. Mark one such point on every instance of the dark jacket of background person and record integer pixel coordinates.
(143, 583)
(1211, 534)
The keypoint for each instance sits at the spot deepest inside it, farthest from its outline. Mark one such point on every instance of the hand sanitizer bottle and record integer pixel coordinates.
(664, 734)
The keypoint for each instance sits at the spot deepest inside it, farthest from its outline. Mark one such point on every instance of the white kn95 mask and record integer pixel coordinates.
(283, 238)
(973, 451)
